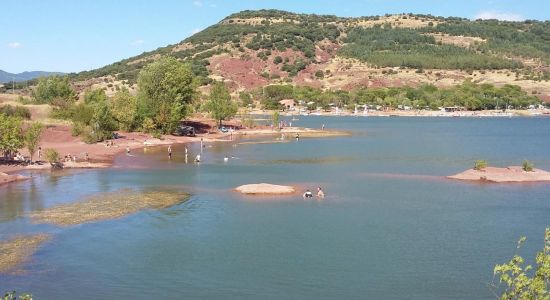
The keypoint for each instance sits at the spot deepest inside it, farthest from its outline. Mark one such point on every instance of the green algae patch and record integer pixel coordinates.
(17, 250)
(107, 206)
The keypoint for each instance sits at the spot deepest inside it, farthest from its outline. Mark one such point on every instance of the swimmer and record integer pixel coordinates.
(198, 158)
(320, 193)
(308, 194)
(226, 159)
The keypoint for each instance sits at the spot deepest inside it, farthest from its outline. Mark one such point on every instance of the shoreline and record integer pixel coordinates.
(101, 156)
(418, 113)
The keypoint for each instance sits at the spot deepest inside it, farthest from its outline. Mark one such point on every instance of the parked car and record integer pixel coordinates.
(183, 130)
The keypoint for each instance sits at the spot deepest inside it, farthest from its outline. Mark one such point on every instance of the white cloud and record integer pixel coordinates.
(197, 3)
(15, 45)
(138, 42)
(503, 16)
(196, 30)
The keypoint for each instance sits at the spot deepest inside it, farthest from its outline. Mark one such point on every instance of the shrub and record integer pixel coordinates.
(77, 129)
(52, 156)
(528, 166)
(16, 111)
(480, 164)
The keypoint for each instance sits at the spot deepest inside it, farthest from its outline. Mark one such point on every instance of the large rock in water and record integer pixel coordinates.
(265, 189)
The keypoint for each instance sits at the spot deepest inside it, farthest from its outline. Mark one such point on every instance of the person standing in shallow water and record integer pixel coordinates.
(170, 152)
(320, 193)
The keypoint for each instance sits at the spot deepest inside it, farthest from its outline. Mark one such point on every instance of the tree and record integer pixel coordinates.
(275, 119)
(32, 136)
(165, 88)
(11, 137)
(220, 105)
(525, 282)
(95, 96)
(53, 89)
(124, 109)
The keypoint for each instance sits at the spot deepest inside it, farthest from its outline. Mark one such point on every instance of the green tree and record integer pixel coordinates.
(32, 137)
(53, 89)
(11, 137)
(95, 96)
(165, 88)
(275, 118)
(525, 282)
(219, 104)
(124, 109)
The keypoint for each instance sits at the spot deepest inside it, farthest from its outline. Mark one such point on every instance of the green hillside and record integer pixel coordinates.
(503, 45)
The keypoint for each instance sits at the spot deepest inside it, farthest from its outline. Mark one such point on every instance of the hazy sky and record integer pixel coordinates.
(71, 36)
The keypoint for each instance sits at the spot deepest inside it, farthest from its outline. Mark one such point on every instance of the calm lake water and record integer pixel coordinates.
(390, 227)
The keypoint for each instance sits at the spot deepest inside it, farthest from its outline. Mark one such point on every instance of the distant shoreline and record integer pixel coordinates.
(417, 113)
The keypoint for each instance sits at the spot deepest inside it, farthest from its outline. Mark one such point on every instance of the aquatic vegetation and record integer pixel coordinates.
(17, 250)
(106, 206)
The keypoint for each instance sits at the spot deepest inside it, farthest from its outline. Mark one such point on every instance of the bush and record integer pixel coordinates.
(528, 166)
(77, 129)
(15, 111)
(52, 156)
(480, 164)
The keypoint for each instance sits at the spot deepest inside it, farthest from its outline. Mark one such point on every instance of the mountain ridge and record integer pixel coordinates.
(24, 76)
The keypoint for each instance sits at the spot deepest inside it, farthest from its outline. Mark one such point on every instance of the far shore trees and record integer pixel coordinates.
(11, 137)
(32, 137)
(219, 104)
(165, 90)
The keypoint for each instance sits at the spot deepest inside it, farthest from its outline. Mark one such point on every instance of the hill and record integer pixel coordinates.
(24, 76)
(251, 49)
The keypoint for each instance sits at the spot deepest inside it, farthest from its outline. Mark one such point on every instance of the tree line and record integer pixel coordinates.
(468, 95)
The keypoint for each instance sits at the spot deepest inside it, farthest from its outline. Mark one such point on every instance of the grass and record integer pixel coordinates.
(106, 206)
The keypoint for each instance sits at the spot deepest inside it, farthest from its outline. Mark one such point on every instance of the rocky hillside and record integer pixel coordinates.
(252, 49)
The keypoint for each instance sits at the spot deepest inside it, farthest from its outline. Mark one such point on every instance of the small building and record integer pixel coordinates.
(288, 104)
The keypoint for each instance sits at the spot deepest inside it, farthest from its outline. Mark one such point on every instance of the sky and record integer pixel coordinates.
(73, 36)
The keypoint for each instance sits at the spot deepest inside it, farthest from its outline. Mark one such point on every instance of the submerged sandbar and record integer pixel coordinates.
(106, 206)
(17, 250)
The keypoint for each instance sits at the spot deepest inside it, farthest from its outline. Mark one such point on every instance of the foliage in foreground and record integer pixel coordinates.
(525, 282)
(13, 296)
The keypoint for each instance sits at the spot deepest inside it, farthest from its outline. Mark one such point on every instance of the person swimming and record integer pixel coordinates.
(308, 194)
(320, 193)
(198, 158)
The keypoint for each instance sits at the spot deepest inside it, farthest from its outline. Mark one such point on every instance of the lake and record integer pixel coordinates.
(391, 226)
